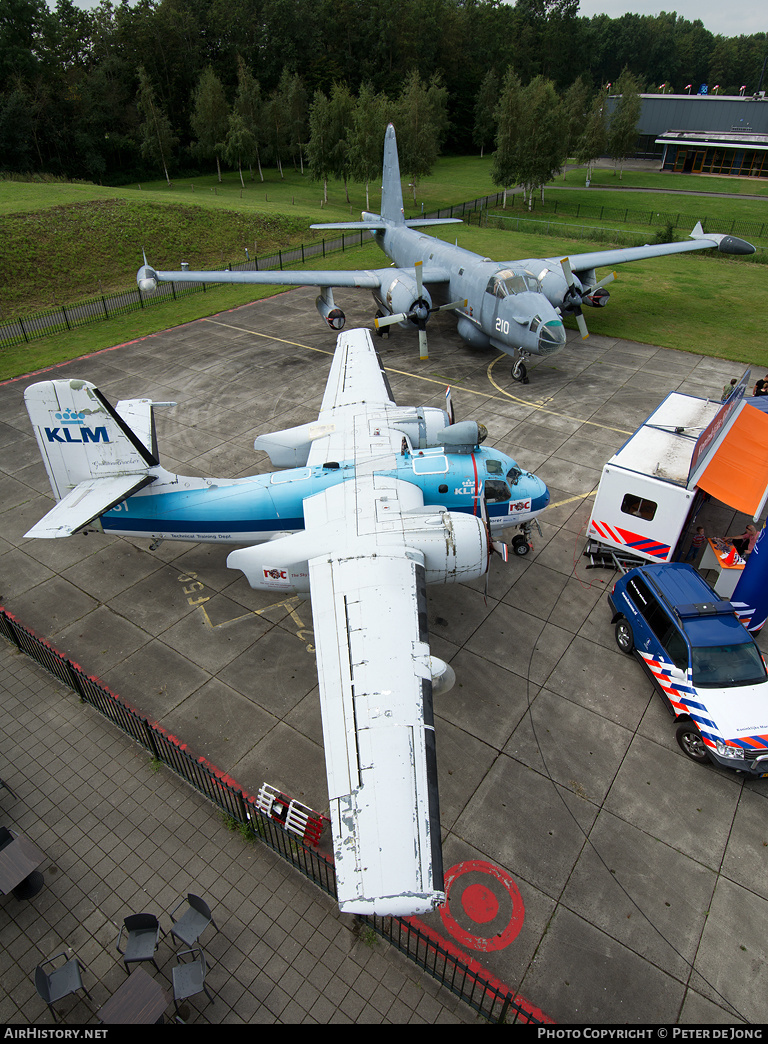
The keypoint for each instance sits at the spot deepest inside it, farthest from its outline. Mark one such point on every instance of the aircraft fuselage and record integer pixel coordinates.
(258, 508)
(506, 308)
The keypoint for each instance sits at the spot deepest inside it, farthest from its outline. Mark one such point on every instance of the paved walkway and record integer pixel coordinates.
(122, 838)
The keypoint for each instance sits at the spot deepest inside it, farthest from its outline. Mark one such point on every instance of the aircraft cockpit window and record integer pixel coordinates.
(496, 491)
(506, 283)
(493, 467)
(513, 476)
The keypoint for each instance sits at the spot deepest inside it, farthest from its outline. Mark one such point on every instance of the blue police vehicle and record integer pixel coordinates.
(703, 661)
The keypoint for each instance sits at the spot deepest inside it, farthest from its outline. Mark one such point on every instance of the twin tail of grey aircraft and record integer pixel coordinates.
(374, 501)
(517, 306)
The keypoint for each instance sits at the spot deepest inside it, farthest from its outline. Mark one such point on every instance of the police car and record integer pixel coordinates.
(703, 661)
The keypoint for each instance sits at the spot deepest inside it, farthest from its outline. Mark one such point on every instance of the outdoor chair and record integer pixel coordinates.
(142, 938)
(60, 982)
(193, 922)
(5, 837)
(4, 784)
(189, 977)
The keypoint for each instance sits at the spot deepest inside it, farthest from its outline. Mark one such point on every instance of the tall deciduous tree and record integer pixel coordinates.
(593, 140)
(504, 171)
(210, 118)
(366, 144)
(319, 149)
(421, 124)
(622, 132)
(157, 137)
(248, 106)
(487, 98)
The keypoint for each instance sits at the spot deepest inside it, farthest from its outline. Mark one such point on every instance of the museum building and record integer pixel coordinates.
(706, 133)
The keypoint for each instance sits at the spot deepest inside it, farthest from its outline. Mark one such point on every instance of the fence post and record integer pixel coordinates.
(23, 330)
(64, 313)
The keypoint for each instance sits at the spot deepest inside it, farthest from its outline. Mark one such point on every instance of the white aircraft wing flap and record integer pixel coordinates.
(84, 503)
(369, 616)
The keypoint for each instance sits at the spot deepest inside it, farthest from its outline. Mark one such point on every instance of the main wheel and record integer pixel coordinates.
(520, 546)
(624, 638)
(690, 742)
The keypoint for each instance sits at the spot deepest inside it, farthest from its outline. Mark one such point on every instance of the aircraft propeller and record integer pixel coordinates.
(494, 546)
(419, 313)
(572, 299)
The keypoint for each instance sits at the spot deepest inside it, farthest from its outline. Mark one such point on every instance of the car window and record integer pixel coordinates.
(721, 666)
(659, 621)
(677, 648)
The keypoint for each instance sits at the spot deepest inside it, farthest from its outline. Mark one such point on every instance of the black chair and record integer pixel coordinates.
(193, 922)
(142, 939)
(189, 977)
(4, 784)
(5, 837)
(60, 982)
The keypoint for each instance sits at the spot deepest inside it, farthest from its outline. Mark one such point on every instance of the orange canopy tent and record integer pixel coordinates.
(737, 474)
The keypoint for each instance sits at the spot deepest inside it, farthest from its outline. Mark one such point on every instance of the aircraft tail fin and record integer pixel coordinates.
(392, 210)
(86, 445)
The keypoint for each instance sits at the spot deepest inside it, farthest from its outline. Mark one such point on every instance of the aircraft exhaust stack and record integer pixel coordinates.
(328, 310)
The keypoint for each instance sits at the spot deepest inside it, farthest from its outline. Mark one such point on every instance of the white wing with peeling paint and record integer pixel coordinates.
(370, 622)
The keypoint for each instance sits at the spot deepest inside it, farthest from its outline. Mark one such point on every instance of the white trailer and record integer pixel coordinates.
(649, 489)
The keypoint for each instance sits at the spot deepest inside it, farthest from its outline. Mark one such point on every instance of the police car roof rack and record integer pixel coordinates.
(601, 556)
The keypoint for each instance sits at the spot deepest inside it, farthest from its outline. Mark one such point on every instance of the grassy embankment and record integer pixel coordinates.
(62, 243)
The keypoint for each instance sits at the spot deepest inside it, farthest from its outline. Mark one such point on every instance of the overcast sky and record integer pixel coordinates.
(735, 19)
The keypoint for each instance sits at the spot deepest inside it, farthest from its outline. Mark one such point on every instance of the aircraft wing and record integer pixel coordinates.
(369, 617)
(365, 279)
(356, 389)
(698, 241)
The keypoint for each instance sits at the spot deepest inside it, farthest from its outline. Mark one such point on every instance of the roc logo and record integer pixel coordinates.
(67, 434)
(275, 574)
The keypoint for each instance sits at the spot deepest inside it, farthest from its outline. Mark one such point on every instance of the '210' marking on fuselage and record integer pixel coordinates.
(65, 435)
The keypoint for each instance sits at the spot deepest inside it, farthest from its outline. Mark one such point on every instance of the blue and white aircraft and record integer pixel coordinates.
(376, 501)
(515, 306)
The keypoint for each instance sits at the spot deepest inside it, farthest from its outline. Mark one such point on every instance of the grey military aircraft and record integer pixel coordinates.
(515, 306)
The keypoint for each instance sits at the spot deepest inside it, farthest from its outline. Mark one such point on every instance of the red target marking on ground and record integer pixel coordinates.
(483, 907)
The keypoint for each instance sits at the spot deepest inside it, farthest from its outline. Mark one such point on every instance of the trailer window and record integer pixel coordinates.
(638, 506)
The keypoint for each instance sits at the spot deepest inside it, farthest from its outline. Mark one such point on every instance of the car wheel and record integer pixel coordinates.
(690, 742)
(624, 638)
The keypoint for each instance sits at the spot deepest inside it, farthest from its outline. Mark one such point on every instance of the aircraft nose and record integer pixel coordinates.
(551, 337)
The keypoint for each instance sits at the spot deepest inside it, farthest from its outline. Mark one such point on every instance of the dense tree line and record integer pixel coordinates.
(164, 87)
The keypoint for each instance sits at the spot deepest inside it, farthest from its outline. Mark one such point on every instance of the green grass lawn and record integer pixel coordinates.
(65, 242)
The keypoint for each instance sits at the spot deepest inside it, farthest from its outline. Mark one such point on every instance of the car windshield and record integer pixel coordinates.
(722, 666)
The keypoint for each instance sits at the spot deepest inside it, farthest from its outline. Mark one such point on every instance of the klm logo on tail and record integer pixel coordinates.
(67, 435)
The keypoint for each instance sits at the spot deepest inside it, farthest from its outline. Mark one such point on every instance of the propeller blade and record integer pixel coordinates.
(419, 285)
(606, 279)
(581, 323)
(501, 549)
(388, 320)
(574, 294)
(451, 304)
(449, 405)
(423, 349)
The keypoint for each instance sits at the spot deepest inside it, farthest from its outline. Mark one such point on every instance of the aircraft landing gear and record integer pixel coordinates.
(519, 369)
(522, 543)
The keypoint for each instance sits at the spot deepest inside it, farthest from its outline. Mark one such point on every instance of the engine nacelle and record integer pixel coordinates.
(402, 295)
(424, 425)
(288, 448)
(453, 548)
(328, 310)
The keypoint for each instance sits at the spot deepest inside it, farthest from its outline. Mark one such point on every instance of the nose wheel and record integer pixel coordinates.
(519, 369)
(521, 542)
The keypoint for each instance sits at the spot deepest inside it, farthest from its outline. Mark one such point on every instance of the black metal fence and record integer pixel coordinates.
(654, 218)
(477, 989)
(108, 306)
